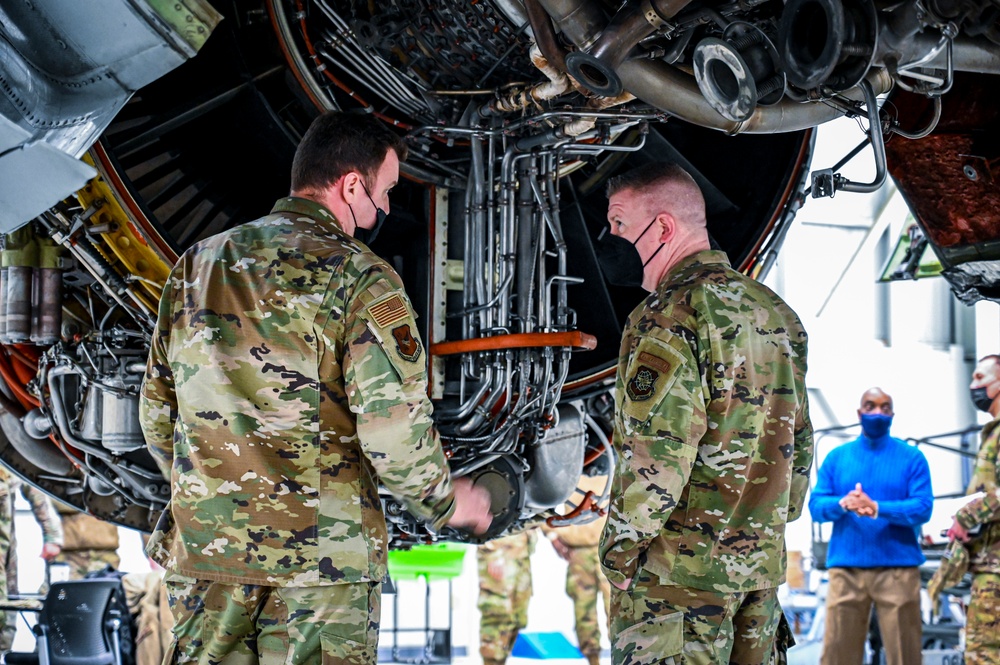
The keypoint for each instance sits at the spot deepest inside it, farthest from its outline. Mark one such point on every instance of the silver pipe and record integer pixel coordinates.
(878, 145)
(921, 133)
(677, 93)
(526, 249)
(563, 250)
(358, 71)
(978, 54)
(62, 419)
(347, 37)
(491, 158)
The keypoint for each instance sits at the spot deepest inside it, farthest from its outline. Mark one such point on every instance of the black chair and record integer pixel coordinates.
(79, 624)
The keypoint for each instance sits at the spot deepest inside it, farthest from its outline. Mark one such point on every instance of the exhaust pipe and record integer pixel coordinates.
(596, 67)
(677, 93)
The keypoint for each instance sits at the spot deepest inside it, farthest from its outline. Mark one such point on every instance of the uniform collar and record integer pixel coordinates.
(693, 261)
(311, 209)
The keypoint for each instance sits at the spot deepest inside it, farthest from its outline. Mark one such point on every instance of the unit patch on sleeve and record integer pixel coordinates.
(652, 370)
(386, 312)
(642, 385)
(407, 346)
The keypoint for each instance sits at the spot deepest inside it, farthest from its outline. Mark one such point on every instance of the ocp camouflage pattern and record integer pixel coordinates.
(712, 432)
(503, 604)
(982, 621)
(282, 386)
(982, 637)
(984, 512)
(47, 518)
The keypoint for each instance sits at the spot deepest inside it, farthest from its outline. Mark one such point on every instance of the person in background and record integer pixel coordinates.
(877, 492)
(978, 523)
(585, 581)
(52, 538)
(504, 593)
(712, 437)
(89, 544)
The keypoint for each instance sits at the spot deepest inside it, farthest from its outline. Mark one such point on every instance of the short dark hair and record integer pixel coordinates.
(994, 357)
(647, 175)
(337, 143)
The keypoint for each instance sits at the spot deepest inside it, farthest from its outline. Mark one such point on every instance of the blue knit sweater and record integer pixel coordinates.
(896, 476)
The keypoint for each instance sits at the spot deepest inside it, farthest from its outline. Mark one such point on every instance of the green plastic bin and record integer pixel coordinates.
(441, 561)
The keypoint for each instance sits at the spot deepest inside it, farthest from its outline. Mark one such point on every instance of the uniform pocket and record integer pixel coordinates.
(651, 641)
(339, 650)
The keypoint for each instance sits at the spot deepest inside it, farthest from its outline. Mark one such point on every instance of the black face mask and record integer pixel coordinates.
(981, 399)
(367, 236)
(620, 260)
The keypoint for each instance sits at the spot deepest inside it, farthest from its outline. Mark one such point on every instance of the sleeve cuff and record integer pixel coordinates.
(966, 516)
(439, 523)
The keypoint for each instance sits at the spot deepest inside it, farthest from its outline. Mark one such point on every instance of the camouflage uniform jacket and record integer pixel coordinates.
(41, 506)
(984, 550)
(712, 432)
(285, 381)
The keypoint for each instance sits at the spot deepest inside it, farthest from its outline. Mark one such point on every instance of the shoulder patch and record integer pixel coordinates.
(642, 385)
(406, 344)
(650, 374)
(388, 311)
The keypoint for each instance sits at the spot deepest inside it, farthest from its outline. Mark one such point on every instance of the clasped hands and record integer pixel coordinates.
(859, 503)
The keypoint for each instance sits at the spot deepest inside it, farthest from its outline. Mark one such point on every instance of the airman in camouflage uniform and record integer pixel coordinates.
(713, 439)
(504, 593)
(577, 544)
(285, 383)
(982, 622)
(89, 544)
(52, 539)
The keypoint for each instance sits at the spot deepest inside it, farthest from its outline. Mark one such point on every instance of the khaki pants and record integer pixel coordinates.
(895, 593)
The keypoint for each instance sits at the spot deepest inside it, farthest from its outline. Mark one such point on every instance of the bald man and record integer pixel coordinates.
(712, 434)
(877, 492)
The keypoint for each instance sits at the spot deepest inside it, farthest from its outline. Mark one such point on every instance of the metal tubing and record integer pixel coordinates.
(878, 145)
(677, 93)
(545, 36)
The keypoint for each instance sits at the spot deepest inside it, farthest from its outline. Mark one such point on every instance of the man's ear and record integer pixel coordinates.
(667, 225)
(350, 187)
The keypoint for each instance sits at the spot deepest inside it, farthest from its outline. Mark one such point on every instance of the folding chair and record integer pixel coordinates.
(78, 625)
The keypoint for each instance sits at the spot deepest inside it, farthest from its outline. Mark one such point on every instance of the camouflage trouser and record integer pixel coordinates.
(982, 624)
(81, 562)
(233, 624)
(503, 606)
(657, 622)
(8, 569)
(584, 580)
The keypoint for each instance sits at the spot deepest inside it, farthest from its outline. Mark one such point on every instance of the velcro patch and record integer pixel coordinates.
(389, 311)
(642, 385)
(406, 345)
(652, 370)
(655, 362)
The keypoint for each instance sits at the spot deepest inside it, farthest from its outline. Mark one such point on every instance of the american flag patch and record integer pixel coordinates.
(388, 311)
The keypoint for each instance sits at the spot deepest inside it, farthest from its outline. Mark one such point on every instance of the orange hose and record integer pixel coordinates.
(14, 383)
(575, 338)
(586, 504)
(26, 351)
(23, 367)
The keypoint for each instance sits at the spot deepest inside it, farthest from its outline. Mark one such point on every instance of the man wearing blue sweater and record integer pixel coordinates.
(877, 492)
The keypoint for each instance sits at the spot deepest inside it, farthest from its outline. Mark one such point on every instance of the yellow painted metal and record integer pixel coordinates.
(123, 240)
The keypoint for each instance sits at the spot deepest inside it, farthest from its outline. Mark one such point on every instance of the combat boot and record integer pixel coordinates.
(594, 659)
